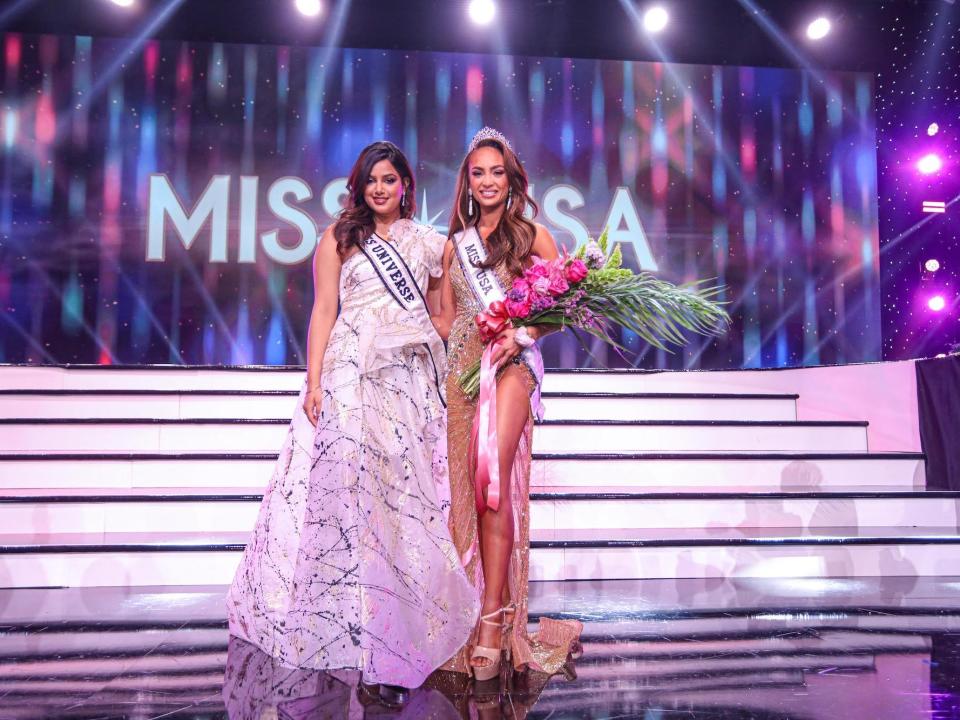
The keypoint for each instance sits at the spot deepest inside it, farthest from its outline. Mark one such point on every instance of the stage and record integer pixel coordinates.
(762, 544)
(745, 485)
(819, 649)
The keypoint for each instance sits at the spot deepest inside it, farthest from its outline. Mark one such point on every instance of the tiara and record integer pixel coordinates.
(488, 133)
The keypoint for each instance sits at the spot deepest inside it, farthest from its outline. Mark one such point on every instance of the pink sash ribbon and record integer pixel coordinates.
(487, 473)
(490, 324)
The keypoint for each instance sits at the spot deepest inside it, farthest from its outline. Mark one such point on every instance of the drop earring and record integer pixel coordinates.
(403, 199)
(509, 197)
(469, 203)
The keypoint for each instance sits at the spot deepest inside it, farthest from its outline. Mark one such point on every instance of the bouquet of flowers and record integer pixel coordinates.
(589, 291)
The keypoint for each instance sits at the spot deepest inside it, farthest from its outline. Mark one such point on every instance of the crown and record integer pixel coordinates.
(488, 133)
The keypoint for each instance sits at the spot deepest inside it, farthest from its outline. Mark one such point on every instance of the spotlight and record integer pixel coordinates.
(310, 8)
(929, 164)
(818, 29)
(123, 3)
(932, 265)
(482, 11)
(936, 303)
(933, 129)
(655, 19)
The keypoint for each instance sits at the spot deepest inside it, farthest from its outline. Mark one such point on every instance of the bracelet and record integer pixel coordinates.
(523, 338)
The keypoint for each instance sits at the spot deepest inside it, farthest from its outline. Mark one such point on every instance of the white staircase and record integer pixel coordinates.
(152, 476)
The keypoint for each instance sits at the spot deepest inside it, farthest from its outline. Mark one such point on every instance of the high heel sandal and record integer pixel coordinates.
(494, 655)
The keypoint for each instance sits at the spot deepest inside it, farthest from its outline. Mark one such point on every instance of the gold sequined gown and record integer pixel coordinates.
(464, 349)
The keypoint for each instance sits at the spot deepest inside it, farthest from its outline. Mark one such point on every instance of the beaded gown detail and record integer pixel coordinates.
(546, 650)
(351, 564)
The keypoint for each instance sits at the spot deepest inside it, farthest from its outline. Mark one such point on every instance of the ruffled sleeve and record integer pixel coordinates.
(433, 243)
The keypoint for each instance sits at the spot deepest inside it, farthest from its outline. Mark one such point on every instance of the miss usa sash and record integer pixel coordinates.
(487, 289)
(396, 277)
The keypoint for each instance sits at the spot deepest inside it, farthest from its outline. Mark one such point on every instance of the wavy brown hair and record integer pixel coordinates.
(511, 242)
(355, 222)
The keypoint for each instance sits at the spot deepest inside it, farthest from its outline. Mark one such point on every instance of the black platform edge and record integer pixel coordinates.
(534, 497)
(819, 541)
(88, 392)
(119, 547)
(690, 654)
(547, 423)
(881, 455)
(832, 613)
(759, 456)
(302, 368)
(39, 549)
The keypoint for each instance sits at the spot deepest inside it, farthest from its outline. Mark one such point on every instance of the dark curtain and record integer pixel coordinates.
(938, 398)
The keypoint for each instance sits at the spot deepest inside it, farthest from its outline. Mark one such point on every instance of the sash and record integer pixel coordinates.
(396, 277)
(487, 289)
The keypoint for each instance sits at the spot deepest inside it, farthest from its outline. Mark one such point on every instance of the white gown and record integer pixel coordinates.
(351, 564)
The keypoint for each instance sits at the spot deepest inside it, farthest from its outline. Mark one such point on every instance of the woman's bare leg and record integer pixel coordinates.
(496, 527)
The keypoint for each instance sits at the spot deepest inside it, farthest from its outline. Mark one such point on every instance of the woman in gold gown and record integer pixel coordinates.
(489, 216)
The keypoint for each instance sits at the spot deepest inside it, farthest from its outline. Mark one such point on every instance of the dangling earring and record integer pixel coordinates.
(469, 203)
(403, 199)
(509, 197)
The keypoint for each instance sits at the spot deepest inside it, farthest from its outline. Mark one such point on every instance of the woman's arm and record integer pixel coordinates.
(544, 247)
(326, 294)
(443, 313)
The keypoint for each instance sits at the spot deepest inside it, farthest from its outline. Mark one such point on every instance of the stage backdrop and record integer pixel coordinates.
(161, 202)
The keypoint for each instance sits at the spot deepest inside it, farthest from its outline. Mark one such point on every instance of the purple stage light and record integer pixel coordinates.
(655, 19)
(933, 129)
(929, 164)
(818, 29)
(309, 8)
(936, 303)
(932, 265)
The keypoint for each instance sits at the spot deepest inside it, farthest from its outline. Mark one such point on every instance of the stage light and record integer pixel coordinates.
(310, 8)
(482, 11)
(929, 164)
(934, 206)
(123, 3)
(818, 29)
(655, 19)
(933, 129)
(932, 265)
(936, 303)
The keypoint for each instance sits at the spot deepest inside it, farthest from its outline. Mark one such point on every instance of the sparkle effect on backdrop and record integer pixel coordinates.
(918, 97)
(764, 179)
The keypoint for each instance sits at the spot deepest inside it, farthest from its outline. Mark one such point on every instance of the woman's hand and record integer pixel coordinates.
(506, 347)
(311, 404)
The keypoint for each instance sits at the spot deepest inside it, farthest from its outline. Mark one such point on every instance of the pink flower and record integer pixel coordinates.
(518, 308)
(558, 284)
(541, 285)
(537, 270)
(575, 271)
(520, 290)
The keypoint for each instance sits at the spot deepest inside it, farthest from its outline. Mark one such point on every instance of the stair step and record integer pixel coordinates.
(235, 509)
(678, 471)
(588, 437)
(95, 559)
(252, 404)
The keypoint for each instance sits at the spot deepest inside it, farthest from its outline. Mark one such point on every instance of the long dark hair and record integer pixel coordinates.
(511, 242)
(355, 223)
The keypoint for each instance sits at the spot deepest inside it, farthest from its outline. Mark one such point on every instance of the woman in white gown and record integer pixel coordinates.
(351, 564)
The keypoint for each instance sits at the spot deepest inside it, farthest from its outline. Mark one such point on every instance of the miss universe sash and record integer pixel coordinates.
(486, 287)
(396, 277)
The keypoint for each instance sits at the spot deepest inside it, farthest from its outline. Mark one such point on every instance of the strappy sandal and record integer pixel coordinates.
(494, 655)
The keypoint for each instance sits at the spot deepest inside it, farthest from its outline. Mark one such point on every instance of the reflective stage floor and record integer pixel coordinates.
(859, 649)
